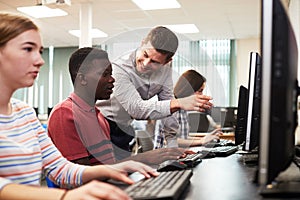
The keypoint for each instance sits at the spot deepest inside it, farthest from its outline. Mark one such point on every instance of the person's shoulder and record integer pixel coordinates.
(22, 108)
(63, 105)
(16, 101)
(124, 61)
(18, 104)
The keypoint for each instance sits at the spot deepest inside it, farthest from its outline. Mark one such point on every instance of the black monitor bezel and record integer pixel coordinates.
(279, 92)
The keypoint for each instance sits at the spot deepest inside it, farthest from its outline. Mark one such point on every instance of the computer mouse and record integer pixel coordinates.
(171, 166)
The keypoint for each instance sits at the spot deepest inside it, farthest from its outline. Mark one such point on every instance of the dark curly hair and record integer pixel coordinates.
(81, 59)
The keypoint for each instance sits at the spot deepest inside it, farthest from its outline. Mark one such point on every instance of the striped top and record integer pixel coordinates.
(183, 120)
(184, 128)
(26, 151)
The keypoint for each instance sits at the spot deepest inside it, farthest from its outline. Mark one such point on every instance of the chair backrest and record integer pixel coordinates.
(218, 114)
(198, 122)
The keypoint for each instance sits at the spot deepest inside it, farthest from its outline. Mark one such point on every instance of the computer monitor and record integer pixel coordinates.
(230, 117)
(279, 93)
(241, 120)
(254, 103)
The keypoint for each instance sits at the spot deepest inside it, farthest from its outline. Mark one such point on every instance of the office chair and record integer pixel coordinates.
(198, 122)
(218, 114)
(51, 184)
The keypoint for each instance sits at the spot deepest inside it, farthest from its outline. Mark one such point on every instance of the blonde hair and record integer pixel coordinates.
(12, 25)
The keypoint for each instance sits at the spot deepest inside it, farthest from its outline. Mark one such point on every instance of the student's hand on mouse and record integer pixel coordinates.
(133, 166)
(195, 102)
(96, 190)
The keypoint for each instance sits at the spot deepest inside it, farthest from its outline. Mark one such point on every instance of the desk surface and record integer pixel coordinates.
(227, 135)
(223, 179)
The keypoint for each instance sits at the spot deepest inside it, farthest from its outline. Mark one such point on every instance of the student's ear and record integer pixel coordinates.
(82, 79)
(168, 61)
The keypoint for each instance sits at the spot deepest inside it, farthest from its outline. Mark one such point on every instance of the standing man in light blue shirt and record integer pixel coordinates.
(141, 75)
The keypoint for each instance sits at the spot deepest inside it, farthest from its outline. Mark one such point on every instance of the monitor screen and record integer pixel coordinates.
(279, 92)
(254, 102)
(230, 117)
(241, 121)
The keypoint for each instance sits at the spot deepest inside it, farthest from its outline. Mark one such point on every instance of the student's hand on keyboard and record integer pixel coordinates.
(96, 190)
(186, 152)
(133, 166)
(157, 156)
(214, 135)
(217, 131)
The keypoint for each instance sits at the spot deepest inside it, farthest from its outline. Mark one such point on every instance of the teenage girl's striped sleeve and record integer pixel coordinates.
(56, 167)
(3, 182)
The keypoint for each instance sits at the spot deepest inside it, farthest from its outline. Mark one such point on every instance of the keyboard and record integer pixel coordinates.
(221, 151)
(220, 143)
(250, 158)
(168, 185)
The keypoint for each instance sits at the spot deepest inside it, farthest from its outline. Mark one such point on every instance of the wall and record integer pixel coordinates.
(294, 11)
(244, 47)
(62, 85)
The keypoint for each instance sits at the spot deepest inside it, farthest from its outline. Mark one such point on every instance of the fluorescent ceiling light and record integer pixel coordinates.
(156, 4)
(95, 33)
(59, 2)
(41, 11)
(183, 28)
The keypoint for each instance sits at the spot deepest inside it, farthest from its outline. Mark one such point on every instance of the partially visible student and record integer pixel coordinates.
(189, 82)
(26, 150)
(141, 75)
(78, 128)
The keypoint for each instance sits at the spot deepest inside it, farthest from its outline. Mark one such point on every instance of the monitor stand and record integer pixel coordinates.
(288, 189)
(287, 184)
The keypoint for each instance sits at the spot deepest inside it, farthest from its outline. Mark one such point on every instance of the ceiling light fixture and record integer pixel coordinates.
(183, 28)
(41, 11)
(95, 33)
(57, 2)
(156, 4)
